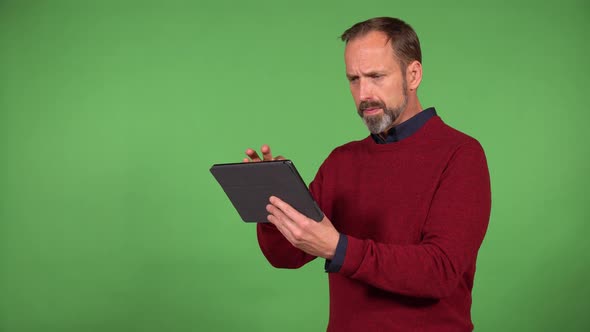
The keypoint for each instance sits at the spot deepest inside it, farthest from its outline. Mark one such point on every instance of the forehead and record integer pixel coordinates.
(374, 48)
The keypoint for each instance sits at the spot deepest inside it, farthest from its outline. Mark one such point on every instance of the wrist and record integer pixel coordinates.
(333, 246)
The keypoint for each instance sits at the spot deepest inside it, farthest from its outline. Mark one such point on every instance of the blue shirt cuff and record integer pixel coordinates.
(335, 264)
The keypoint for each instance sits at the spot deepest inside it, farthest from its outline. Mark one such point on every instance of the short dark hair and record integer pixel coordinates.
(404, 40)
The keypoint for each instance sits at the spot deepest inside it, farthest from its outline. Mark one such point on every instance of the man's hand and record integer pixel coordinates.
(315, 238)
(266, 155)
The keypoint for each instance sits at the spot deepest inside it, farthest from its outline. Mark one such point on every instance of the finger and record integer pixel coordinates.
(277, 218)
(280, 218)
(285, 225)
(266, 154)
(277, 213)
(280, 158)
(252, 154)
(287, 210)
(283, 230)
(246, 160)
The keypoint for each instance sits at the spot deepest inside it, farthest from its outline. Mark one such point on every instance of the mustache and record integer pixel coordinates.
(370, 104)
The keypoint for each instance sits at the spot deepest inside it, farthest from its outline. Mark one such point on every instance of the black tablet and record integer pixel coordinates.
(249, 186)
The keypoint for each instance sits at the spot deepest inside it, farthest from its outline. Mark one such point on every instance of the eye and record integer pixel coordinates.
(353, 79)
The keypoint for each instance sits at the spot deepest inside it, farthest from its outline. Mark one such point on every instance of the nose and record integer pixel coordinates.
(365, 90)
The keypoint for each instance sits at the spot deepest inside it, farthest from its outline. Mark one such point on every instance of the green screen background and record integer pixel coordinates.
(112, 112)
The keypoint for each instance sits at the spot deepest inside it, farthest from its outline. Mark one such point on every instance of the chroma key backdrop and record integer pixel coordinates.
(112, 112)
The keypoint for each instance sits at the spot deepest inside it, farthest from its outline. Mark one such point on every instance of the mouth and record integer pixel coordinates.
(372, 111)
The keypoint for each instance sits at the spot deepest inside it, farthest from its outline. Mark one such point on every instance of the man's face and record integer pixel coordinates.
(377, 82)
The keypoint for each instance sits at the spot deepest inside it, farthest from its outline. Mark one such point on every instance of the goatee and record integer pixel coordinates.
(379, 123)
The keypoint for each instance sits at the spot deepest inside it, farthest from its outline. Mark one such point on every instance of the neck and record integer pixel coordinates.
(412, 108)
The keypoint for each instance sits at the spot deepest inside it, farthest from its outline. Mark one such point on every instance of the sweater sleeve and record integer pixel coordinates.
(451, 236)
(278, 251)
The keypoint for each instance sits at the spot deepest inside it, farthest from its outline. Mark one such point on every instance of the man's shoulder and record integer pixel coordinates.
(351, 146)
(345, 152)
(349, 149)
(444, 134)
(435, 135)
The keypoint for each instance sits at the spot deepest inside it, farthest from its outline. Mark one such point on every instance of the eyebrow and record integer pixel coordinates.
(369, 74)
(375, 73)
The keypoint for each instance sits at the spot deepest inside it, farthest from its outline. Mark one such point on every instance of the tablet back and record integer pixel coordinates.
(249, 186)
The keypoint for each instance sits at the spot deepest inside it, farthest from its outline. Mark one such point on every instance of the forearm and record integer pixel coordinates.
(423, 270)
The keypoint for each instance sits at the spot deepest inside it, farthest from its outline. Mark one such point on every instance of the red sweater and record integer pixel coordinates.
(415, 213)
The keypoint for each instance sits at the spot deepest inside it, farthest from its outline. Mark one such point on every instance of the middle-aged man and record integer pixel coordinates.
(406, 208)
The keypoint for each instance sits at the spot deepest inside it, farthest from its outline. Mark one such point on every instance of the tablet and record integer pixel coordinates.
(249, 186)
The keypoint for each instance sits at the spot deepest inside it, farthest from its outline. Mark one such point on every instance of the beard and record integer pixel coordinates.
(379, 123)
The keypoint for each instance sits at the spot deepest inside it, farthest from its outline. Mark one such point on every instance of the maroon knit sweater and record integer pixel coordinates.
(415, 213)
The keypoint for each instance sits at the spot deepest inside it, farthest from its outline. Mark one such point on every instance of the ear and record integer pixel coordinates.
(414, 75)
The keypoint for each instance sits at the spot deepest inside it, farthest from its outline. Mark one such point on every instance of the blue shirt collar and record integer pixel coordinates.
(406, 128)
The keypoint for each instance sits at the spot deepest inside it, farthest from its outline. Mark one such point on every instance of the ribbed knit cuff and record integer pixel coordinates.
(355, 251)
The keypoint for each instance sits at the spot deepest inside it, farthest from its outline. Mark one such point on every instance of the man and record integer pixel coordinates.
(406, 208)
